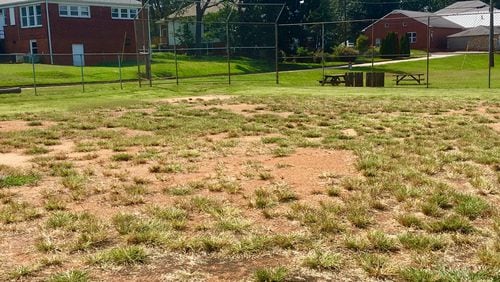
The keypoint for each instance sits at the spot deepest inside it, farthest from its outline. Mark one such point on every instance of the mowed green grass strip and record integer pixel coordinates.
(459, 71)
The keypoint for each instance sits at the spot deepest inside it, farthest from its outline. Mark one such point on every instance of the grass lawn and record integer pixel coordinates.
(209, 66)
(250, 182)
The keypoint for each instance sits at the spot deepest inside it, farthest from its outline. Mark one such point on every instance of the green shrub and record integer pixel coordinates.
(362, 43)
(345, 54)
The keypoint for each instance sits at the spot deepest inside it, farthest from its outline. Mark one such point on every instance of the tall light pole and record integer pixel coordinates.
(492, 36)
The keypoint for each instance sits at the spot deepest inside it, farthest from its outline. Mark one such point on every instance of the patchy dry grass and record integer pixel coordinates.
(333, 188)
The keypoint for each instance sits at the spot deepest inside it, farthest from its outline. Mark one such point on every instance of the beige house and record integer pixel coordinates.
(473, 39)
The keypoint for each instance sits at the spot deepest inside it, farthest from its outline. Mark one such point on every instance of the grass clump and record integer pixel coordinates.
(121, 256)
(375, 265)
(472, 206)
(21, 272)
(411, 220)
(276, 274)
(17, 212)
(358, 214)
(263, 198)
(141, 231)
(122, 157)
(452, 223)
(421, 242)
(70, 276)
(323, 261)
(381, 242)
(84, 230)
(16, 179)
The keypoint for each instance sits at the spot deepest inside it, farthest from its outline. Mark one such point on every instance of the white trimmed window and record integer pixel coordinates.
(12, 16)
(412, 36)
(123, 13)
(74, 11)
(2, 17)
(31, 16)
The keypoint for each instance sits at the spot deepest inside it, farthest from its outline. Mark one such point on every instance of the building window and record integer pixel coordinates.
(2, 17)
(12, 16)
(74, 11)
(412, 36)
(378, 42)
(405, 24)
(123, 13)
(386, 25)
(33, 47)
(31, 16)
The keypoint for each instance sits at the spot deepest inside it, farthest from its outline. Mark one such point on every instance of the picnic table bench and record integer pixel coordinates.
(333, 79)
(416, 77)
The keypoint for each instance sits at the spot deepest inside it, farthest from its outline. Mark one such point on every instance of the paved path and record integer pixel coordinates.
(432, 56)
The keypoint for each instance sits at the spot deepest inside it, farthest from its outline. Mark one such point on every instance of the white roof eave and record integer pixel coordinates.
(133, 3)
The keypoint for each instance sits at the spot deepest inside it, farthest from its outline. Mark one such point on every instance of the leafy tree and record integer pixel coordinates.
(390, 46)
(404, 45)
(362, 43)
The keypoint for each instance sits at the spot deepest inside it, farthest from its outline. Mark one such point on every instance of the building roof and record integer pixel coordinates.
(125, 3)
(476, 31)
(463, 7)
(190, 11)
(435, 21)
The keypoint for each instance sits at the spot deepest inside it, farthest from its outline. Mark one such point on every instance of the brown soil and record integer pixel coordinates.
(14, 160)
(350, 132)
(247, 110)
(19, 125)
(195, 99)
(129, 132)
(495, 126)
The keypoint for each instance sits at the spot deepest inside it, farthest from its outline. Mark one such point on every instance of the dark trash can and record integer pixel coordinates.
(354, 79)
(375, 79)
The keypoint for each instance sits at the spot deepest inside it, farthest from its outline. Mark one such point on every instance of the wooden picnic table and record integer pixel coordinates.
(333, 79)
(417, 77)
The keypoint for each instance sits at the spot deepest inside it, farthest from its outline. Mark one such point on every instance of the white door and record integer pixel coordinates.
(2, 23)
(78, 52)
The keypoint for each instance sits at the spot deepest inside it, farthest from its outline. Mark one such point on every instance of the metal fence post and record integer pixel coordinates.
(428, 48)
(276, 53)
(175, 56)
(120, 71)
(373, 45)
(147, 57)
(34, 72)
(81, 71)
(228, 53)
(323, 48)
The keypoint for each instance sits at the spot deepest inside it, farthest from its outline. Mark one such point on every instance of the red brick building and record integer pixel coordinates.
(415, 25)
(73, 32)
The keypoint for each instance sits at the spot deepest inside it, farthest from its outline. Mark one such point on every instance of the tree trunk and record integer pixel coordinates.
(197, 35)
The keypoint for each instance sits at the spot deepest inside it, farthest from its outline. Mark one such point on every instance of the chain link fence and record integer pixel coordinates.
(266, 52)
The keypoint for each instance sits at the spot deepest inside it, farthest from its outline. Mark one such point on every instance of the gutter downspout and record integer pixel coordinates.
(49, 33)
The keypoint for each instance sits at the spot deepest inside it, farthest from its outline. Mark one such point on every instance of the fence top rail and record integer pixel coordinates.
(69, 54)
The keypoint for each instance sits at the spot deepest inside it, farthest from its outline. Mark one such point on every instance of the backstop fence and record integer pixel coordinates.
(425, 50)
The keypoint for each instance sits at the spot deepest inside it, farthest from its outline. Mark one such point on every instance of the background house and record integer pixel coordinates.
(457, 27)
(473, 39)
(179, 28)
(61, 32)
(415, 25)
(468, 14)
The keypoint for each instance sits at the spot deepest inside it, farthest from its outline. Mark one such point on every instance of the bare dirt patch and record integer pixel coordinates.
(247, 110)
(14, 160)
(495, 126)
(195, 99)
(129, 132)
(350, 132)
(19, 125)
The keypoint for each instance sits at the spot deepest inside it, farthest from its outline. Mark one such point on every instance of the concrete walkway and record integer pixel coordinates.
(431, 57)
